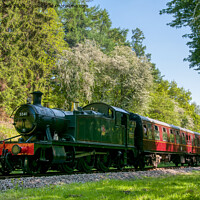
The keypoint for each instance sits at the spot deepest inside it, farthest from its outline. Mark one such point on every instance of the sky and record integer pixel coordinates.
(165, 44)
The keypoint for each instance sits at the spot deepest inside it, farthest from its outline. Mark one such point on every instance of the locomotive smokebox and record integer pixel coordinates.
(37, 98)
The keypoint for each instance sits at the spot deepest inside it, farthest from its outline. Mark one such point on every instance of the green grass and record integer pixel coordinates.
(184, 187)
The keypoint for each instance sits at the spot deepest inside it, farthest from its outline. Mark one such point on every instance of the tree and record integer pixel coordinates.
(120, 79)
(82, 23)
(31, 36)
(171, 104)
(187, 13)
(119, 36)
(162, 108)
(136, 43)
(75, 21)
(180, 95)
(132, 80)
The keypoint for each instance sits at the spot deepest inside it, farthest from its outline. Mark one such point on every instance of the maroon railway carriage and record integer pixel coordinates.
(165, 142)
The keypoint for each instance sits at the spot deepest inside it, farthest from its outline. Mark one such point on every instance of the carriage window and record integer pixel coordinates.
(183, 138)
(198, 142)
(188, 138)
(171, 135)
(192, 140)
(195, 141)
(164, 134)
(150, 135)
(156, 133)
(177, 137)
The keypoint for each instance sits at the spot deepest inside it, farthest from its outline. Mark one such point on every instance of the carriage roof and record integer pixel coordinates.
(167, 125)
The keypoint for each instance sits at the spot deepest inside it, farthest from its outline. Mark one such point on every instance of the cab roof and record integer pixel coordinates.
(99, 107)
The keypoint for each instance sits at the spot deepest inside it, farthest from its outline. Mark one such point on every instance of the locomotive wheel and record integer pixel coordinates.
(4, 170)
(33, 165)
(43, 168)
(141, 163)
(136, 165)
(120, 163)
(119, 160)
(86, 164)
(66, 168)
(70, 164)
(103, 163)
(176, 164)
(176, 160)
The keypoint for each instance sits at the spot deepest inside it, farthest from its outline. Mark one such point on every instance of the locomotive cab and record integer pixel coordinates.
(112, 124)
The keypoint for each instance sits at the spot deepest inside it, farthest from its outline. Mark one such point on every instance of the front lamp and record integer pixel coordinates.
(16, 149)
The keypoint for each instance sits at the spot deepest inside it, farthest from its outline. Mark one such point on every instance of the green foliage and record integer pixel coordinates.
(171, 104)
(31, 36)
(132, 80)
(82, 22)
(120, 79)
(187, 13)
(101, 65)
(162, 107)
(137, 39)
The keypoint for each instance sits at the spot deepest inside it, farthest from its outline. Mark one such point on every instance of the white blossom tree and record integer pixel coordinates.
(120, 78)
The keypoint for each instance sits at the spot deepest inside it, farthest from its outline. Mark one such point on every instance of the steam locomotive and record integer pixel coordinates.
(95, 136)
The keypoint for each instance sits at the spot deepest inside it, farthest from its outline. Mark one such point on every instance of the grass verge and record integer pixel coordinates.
(184, 187)
(7, 130)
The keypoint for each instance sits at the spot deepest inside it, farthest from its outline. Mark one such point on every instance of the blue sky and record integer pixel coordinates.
(164, 43)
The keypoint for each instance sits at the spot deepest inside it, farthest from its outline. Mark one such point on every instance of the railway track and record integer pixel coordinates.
(20, 174)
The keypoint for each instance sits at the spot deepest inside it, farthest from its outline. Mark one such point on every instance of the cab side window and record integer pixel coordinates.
(110, 113)
(118, 118)
(145, 130)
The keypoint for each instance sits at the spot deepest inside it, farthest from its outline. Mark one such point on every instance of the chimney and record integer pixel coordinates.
(37, 97)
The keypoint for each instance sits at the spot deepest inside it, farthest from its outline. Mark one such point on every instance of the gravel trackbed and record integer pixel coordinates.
(36, 182)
